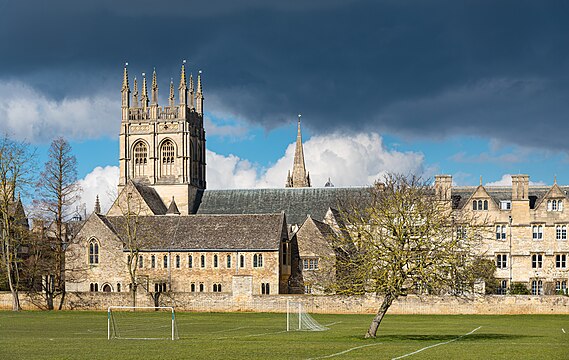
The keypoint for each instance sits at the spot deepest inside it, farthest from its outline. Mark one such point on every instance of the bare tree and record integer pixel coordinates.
(403, 237)
(58, 192)
(15, 175)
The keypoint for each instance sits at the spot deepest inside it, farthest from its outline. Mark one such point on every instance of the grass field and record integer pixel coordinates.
(83, 335)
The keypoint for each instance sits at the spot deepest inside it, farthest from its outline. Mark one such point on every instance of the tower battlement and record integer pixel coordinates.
(163, 146)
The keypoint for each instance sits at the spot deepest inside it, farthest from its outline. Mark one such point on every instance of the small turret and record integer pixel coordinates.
(135, 94)
(125, 94)
(173, 208)
(154, 88)
(144, 99)
(171, 97)
(199, 94)
(192, 97)
(97, 205)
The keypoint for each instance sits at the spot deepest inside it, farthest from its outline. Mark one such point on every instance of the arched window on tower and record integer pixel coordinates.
(140, 155)
(167, 156)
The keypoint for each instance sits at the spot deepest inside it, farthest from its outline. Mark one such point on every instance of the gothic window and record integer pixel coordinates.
(193, 287)
(177, 261)
(201, 287)
(93, 252)
(258, 260)
(215, 261)
(265, 289)
(140, 159)
(202, 262)
(118, 287)
(167, 156)
(241, 261)
(165, 261)
(190, 261)
(153, 261)
(229, 261)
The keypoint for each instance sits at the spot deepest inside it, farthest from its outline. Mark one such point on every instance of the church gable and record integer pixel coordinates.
(553, 200)
(313, 238)
(137, 199)
(480, 200)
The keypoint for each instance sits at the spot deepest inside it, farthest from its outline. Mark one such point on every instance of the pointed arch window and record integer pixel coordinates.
(93, 252)
(167, 157)
(140, 159)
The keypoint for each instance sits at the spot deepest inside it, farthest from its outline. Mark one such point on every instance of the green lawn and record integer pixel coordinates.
(230, 336)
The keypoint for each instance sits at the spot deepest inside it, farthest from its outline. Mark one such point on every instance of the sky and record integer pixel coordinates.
(467, 88)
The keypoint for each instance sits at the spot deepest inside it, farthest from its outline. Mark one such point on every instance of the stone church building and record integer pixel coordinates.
(190, 239)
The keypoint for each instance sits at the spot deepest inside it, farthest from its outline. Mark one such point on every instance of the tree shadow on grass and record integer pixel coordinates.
(439, 337)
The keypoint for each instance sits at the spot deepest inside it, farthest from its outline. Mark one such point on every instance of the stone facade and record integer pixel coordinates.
(526, 227)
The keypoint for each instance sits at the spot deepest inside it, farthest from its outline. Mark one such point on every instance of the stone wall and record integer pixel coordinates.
(224, 302)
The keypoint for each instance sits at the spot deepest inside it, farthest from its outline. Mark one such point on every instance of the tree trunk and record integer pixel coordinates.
(134, 288)
(62, 300)
(387, 301)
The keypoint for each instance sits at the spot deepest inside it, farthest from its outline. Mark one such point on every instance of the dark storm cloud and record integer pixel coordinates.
(496, 69)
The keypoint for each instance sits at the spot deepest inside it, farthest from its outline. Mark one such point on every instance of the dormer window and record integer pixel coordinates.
(505, 205)
(480, 205)
(555, 205)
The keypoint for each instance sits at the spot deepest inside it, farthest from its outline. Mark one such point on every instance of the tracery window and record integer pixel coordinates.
(167, 156)
(93, 252)
(140, 159)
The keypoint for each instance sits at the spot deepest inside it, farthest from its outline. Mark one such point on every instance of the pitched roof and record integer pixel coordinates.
(461, 194)
(151, 198)
(173, 208)
(204, 232)
(297, 203)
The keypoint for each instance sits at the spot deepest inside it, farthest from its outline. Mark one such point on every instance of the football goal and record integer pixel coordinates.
(141, 323)
(298, 319)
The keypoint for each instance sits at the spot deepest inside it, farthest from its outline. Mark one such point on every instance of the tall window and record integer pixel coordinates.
(537, 261)
(140, 159)
(502, 261)
(190, 261)
(561, 287)
(500, 232)
(537, 231)
(537, 287)
(202, 261)
(140, 262)
(242, 261)
(177, 261)
(165, 261)
(215, 261)
(480, 205)
(153, 261)
(258, 260)
(229, 261)
(265, 288)
(561, 261)
(93, 252)
(167, 156)
(561, 232)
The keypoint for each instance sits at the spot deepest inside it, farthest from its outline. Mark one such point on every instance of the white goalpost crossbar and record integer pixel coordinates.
(134, 308)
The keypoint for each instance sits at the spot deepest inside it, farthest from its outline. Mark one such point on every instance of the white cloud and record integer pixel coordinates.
(29, 115)
(101, 181)
(348, 161)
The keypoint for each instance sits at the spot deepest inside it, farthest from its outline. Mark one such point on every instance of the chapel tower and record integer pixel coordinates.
(164, 147)
(299, 177)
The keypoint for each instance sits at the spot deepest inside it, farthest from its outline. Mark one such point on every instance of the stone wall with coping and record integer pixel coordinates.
(226, 302)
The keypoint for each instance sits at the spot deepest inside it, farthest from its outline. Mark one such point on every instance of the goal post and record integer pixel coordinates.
(298, 319)
(141, 322)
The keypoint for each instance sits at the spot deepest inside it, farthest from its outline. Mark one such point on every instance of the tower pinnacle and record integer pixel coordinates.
(144, 99)
(97, 205)
(154, 88)
(299, 176)
(199, 94)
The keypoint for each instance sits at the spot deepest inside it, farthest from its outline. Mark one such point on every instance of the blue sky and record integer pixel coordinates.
(469, 88)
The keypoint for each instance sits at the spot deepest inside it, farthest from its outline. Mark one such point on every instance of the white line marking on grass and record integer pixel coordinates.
(432, 346)
(343, 352)
(227, 330)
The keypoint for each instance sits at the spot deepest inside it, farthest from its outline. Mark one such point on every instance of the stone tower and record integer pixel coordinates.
(299, 177)
(164, 147)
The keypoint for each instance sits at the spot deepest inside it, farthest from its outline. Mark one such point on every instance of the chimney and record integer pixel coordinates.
(443, 187)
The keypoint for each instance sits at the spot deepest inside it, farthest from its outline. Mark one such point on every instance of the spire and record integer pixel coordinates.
(299, 175)
(192, 99)
(183, 88)
(144, 99)
(154, 88)
(125, 91)
(173, 208)
(97, 205)
(135, 94)
(171, 97)
(199, 94)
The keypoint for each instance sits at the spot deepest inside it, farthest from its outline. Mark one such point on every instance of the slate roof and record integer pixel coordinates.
(151, 197)
(297, 203)
(204, 232)
(461, 194)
